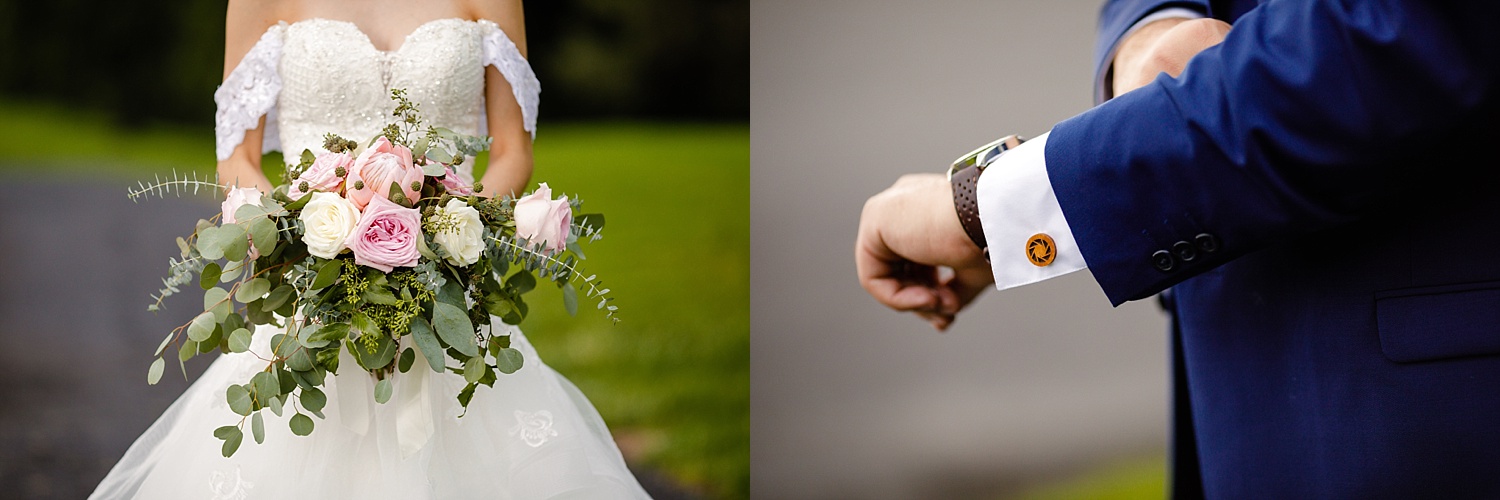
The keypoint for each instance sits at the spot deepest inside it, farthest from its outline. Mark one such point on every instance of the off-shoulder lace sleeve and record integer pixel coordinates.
(500, 52)
(250, 92)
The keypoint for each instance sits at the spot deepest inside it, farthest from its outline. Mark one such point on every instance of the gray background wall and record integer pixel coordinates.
(850, 400)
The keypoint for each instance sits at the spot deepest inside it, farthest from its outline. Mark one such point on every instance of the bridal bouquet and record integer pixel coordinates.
(359, 249)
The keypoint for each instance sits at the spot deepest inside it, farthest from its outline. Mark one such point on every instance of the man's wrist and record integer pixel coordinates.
(963, 175)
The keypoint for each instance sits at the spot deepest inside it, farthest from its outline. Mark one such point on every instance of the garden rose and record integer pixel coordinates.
(380, 166)
(323, 175)
(328, 220)
(236, 198)
(465, 243)
(387, 235)
(539, 218)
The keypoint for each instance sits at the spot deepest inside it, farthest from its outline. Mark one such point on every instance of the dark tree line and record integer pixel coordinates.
(160, 60)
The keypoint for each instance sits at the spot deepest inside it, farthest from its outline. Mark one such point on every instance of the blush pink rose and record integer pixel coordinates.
(541, 219)
(386, 236)
(236, 198)
(456, 184)
(323, 175)
(380, 166)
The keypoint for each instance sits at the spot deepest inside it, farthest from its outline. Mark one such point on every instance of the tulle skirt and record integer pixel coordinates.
(532, 436)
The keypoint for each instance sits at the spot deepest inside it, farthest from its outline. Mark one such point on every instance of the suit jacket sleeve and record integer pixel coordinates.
(1310, 114)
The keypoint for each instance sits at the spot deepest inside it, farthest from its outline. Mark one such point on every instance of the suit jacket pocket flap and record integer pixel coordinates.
(1423, 324)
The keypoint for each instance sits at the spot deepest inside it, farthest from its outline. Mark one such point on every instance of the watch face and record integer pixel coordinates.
(984, 155)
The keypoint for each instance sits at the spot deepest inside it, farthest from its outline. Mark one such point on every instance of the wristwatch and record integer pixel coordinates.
(964, 176)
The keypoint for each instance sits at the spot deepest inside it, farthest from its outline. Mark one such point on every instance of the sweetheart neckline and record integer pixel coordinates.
(371, 43)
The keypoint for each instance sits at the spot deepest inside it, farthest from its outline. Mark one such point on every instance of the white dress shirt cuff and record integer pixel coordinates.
(1016, 202)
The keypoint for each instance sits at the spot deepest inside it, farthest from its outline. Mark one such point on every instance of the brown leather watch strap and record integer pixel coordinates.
(966, 202)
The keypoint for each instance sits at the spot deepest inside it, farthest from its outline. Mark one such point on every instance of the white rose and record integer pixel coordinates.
(539, 218)
(465, 244)
(236, 198)
(327, 219)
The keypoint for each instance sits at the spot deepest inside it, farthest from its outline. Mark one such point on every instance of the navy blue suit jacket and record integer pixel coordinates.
(1320, 193)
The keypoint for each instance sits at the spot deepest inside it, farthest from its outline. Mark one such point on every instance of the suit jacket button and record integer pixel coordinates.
(1163, 261)
(1184, 251)
(1207, 242)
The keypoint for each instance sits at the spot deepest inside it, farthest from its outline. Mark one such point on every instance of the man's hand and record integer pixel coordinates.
(1163, 46)
(905, 233)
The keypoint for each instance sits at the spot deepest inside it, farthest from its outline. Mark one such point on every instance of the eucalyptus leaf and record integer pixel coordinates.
(164, 343)
(251, 290)
(427, 342)
(383, 391)
(385, 351)
(209, 276)
(232, 439)
(278, 298)
(301, 361)
(404, 361)
(202, 326)
(216, 301)
(239, 340)
(236, 244)
(283, 346)
(266, 386)
(508, 360)
(187, 351)
(453, 326)
(474, 369)
(327, 274)
(313, 399)
(522, 281)
(258, 428)
(264, 235)
(439, 153)
(211, 243)
(570, 298)
(153, 375)
(301, 425)
(434, 169)
(232, 271)
(276, 406)
(239, 400)
(304, 335)
(249, 211)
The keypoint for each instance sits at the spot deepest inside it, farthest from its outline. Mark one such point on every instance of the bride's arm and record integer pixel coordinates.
(245, 22)
(509, 168)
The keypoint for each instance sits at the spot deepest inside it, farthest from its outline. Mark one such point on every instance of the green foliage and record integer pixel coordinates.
(672, 379)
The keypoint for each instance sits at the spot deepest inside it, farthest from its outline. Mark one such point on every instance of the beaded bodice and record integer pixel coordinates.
(318, 76)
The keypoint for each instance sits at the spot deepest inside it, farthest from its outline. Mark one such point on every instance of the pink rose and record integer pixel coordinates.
(386, 236)
(457, 184)
(323, 175)
(541, 219)
(236, 198)
(380, 166)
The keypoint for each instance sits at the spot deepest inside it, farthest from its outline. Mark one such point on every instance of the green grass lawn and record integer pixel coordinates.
(672, 379)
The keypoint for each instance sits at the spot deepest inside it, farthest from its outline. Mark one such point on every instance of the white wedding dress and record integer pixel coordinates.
(532, 436)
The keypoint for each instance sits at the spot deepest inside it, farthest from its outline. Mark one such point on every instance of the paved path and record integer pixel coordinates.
(78, 264)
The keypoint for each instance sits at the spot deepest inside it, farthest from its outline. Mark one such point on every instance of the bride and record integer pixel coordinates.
(295, 70)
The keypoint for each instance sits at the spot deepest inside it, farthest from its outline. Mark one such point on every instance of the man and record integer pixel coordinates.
(1316, 190)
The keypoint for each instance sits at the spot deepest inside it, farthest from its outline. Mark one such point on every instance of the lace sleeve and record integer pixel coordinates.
(250, 92)
(499, 51)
